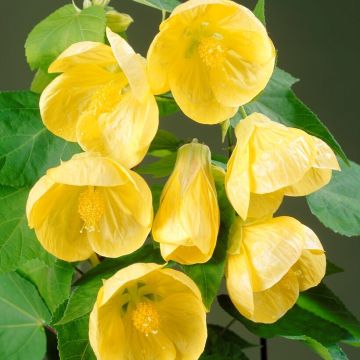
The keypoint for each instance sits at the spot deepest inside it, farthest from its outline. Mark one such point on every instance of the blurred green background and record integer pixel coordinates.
(317, 41)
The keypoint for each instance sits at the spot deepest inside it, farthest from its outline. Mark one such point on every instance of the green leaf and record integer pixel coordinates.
(280, 104)
(324, 303)
(333, 352)
(259, 11)
(332, 268)
(23, 315)
(73, 340)
(164, 144)
(52, 279)
(41, 79)
(84, 295)
(159, 168)
(164, 5)
(208, 276)
(58, 31)
(167, 105)
(223, 344)
(18, 243)
(27, 148)
(297, 324)
(337, 205)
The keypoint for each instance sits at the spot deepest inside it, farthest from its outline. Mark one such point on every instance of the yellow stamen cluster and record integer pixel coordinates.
(145, 318)
(91, 208)
(211, 52)
(105, 98)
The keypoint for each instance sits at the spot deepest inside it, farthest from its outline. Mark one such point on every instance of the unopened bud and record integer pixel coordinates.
(118, 22)
(87, 4)
(102, 3)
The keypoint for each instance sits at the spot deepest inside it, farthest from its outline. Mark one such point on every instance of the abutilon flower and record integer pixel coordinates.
(269, 262)
(214, 55)
(90, 204)
(271, 160)
(187, 222)
(102, 100)
(148, 312)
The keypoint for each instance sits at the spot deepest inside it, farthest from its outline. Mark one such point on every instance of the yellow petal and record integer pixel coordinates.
(51, 216)
(83, 53)
(126, 222)
(272, 248)
(238, 284)
(90, 169)
(264, 205)
(131, 64)
(186, 255)
(192, 91)
(68, 96)
(325, 157)
(182, 316)
(270, 305)
(124, 134)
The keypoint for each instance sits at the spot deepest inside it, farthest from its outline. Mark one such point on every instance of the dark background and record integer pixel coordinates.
(317, 41)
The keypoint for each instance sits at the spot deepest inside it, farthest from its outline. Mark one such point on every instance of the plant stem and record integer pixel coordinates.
(50, 329)
(79, 271)
(230, 140)
(242, 112)
(263, 349)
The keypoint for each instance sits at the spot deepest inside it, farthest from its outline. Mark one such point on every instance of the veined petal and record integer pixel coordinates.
(90, 169)
(271, 304)
(238, 284)
(325, 157)
(51, 216)
(83, 53)
(68, 96)
(264, 205)
(272, 248)
(182, 316)
(132, 64)
(124, 134)
(192, 91)
(186, 255)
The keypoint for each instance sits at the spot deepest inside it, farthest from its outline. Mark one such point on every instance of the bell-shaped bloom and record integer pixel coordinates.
(102, 100)
(147, 312)
(90, 204)
(214, 55)
(187, 222)
(269, 263)
(271, 160)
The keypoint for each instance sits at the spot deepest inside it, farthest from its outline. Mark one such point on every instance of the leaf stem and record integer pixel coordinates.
(50, 329)
(243, 112)
(163, 12)
(230, 136)
(263, 349)
(79, 271)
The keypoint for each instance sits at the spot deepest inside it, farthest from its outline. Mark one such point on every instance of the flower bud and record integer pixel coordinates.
(187, 222)
(101, 2)
(118, 22)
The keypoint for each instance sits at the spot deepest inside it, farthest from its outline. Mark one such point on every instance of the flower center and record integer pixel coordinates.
(105, 98)
(91, 208)
(211, 51)
(145, 318)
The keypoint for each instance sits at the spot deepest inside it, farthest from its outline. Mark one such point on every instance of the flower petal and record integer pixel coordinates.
(83, 53)
(272, 248)
(264, 205)
(68, 96)
(124, 134)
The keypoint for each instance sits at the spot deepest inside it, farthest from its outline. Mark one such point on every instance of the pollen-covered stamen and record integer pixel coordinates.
(105, 98)
(211, 51)
(91, 208)
(145, 318)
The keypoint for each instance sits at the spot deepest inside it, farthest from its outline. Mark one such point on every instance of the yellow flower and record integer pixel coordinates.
(147, 312)
(102, 100)
(187, 222)
(269, 262)
(90, 204)
(271, 160)
(214, 55)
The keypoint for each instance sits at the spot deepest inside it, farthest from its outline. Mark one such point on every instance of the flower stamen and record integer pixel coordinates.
(211, 51)
(105, 98)
(145, 318)
(91, 208)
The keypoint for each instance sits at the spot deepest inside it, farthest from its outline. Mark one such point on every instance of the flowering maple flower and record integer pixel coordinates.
(271, 160)
(102, 100)
(90, 204)
(146, 311)
(214, 55)
(187, 222)
(269, 262)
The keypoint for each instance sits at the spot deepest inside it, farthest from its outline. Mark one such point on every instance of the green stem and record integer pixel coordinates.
(163, 12)
(227, 326)
(230, 140)
(263, 349)
(242, 112)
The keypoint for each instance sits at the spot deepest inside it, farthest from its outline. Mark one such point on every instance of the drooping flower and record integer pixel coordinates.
(102, 100)
(214, 55)
(271, 160)
(148, 312)
(187, 222)
(269, 262)
(90, 204)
